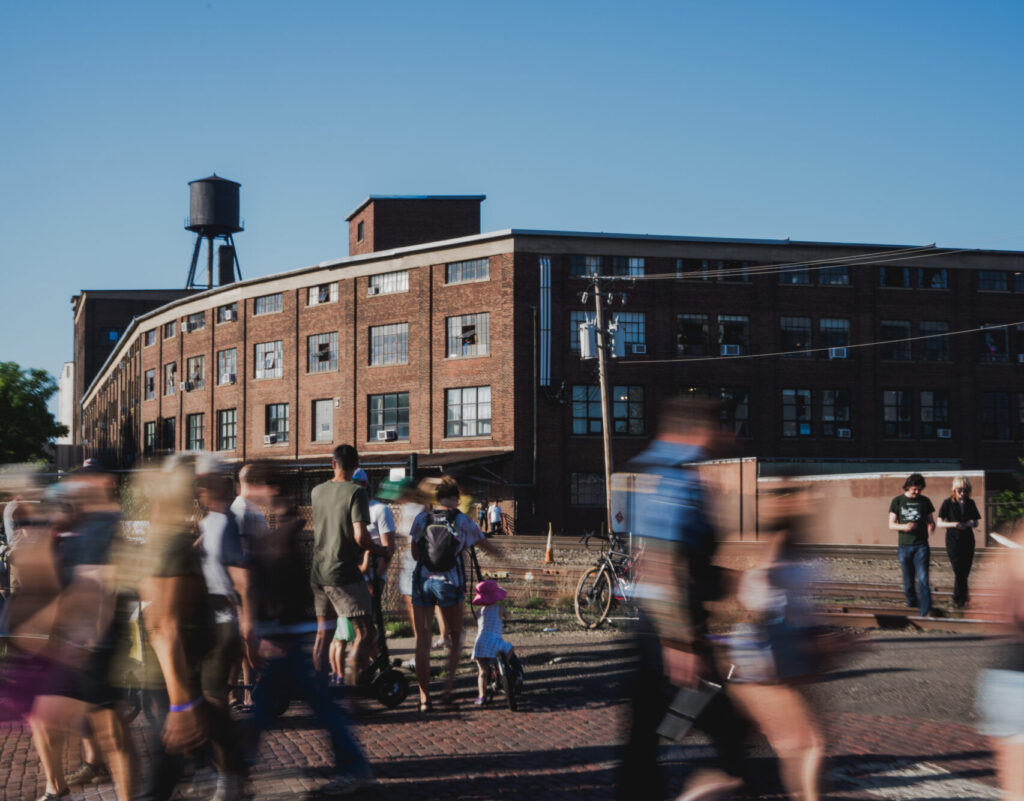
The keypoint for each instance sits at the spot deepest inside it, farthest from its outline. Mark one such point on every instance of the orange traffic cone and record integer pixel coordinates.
(549, 553)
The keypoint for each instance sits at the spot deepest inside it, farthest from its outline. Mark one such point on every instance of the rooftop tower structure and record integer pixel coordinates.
(213, 214)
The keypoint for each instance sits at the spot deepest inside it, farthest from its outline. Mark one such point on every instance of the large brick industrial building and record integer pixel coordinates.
(463, 348)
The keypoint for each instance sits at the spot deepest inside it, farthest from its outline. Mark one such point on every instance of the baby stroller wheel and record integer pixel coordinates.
(391, 687)
(508, 681)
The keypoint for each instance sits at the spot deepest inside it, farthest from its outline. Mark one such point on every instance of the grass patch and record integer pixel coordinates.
(535, 603)
(398, 628)
(565, 604)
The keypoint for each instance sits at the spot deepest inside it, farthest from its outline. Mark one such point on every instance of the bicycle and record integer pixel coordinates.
(611, 582)
(505, 675)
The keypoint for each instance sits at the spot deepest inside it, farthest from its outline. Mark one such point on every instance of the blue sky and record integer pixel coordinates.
(860, 121)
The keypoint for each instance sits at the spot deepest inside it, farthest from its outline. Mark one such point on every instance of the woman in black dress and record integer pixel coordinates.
(959, 516)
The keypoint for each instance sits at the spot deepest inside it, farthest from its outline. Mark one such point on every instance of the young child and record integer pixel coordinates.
(488, 636)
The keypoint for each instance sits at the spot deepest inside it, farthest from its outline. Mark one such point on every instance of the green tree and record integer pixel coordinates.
(26, 425)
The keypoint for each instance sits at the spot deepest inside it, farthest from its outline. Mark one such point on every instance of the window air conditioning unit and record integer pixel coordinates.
(638, 349)
(230, 378)
(373, 290)
(387, 435)
(231, 315)
(945, 433)
(844, 433)
(186, 386)
(269, 439)
(837, 353)
(730, 350)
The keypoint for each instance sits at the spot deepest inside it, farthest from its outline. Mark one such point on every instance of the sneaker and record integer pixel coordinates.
(89, 773)
(711, 785)
(346, 784)
(480, 701)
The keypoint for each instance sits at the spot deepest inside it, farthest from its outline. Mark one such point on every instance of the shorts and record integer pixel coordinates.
(436, 592)
(226, 651)
(1001, 703)
(352, 600)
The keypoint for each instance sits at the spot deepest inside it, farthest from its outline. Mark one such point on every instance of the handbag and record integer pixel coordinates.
(686, 708)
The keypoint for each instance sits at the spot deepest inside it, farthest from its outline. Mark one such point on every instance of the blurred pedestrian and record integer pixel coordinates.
(913, 516)
(481, 516)
(494, 518)
(959, 516)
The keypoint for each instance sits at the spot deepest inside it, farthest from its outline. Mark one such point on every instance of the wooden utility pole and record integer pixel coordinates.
(606, 412)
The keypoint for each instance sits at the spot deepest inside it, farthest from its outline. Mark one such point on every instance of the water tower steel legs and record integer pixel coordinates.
(209, 262)
(190, 284)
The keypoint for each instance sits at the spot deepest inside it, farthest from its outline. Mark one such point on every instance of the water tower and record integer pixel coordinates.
(213, 214)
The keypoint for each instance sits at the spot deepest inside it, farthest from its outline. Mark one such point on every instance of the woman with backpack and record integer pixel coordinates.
(439, 536)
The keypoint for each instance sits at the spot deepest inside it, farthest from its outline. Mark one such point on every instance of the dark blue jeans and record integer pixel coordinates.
(914, 561)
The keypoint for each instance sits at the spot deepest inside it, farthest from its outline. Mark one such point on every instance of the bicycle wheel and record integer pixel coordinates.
(593, 597)
(508, 682)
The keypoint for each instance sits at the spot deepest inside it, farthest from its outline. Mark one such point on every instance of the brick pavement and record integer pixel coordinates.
(561, 745)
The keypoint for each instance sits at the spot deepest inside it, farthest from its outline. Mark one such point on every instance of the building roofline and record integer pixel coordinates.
(370, 198)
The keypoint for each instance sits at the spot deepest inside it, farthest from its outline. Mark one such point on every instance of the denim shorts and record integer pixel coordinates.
(1001, 703)
(435, 592)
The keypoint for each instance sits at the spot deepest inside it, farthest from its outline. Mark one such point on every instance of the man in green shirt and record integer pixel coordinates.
(340, 536)
(913, 516)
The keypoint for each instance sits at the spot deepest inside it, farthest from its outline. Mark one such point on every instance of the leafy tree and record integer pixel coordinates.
(26, 425)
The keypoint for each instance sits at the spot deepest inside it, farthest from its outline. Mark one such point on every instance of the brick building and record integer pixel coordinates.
(465, 351)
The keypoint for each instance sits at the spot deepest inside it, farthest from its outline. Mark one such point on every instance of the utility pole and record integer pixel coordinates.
(606, 412)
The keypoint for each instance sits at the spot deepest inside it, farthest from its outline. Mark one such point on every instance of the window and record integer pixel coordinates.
(149, 437)
(734, 414)
(150, 384)
(324, 293)
(622, 265)
(993, 281)
(795, 275)
(586, 489)
(835, 333)
(196, 371)
(693, 269)
(460, 272)
(894, 277)
(732, 270)
(934, 413)
(170, 329)
(268, 304)
(995, 415)
(227, 313)
(227, 366)
(468, 412)
(935, 349)
(194, 432)
(389, 413)
(323, 420)
(389, 344)
(170, 378)
(360, 230)
(576, 318)
(227, 430)
(276, 418)
(834, 276)
(995, 345)
(584, 265)
(269, 359)
(632, 329)
(389, 283)
(692, 335)
(195, 321)
(932, 278)
(895, 333)
(835, 412)
(733, 334)
(796, 413)
(469, 335)
(796, 336)
(168, 435)
(149, 338)
(1018, 281)
(110, 334)
(627, 409)
(322, 352)
(896, 416)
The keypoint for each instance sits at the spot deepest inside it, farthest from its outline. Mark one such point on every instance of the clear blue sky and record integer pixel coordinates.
(860, 121)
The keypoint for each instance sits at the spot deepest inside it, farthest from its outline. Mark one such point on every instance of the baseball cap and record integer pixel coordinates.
(360, 476)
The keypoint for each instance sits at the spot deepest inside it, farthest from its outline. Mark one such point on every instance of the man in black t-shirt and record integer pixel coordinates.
(913, 516)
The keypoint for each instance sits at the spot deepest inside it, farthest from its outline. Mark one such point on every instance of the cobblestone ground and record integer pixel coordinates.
(562, 742)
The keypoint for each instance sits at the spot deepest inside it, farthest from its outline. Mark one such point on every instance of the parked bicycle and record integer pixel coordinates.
(609, 584)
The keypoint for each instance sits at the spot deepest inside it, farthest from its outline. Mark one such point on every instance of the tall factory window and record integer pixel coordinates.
(469, 335)
(932, 278)
(796, 413)
(796, 336)
(149, 338)
(692, 335)
(838, 275)
(195, 321)
(170, 378)
(896, 414)
(835, 333)
(168, 435)
(894, 277)
(227, 313)
(276, 418)
(935, 418)
(795, 276)
(196, 371)
(632, 326)
(170, 329)
(323, 420)
(149, 437)
(227, 366)
(194, 432)
(268, 304)
(586, 489)
(734, 415)
(621, 265)
(627, 409)
(995, 344)
(389, 283)
(584, 265)
(895, 333)
(835, 413)
(227, 429)
(324, 293)
(322, 352)
(269, 359)
(150, 384)
(935, 349)
(386, 413)
(993, 281)
(468, 412)
(733, 334)
(460, 272)
(360, 231)
(995, 415)
(389, 344)
(586, 409)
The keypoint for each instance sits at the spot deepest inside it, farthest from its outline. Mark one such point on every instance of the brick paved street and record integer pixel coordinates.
(561, 744)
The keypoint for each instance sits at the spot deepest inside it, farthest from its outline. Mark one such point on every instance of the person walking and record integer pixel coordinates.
(913, 516)
(959, 516)
(494, 517)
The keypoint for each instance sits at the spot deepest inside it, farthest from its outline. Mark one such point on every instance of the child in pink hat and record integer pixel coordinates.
(489, 641)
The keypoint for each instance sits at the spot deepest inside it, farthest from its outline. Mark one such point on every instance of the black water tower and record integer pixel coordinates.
(213, 214)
